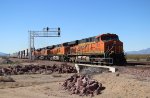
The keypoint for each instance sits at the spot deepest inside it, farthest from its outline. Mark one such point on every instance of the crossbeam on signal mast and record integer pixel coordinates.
(46, 32)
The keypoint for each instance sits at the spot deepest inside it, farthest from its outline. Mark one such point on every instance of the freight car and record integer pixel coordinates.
(103, 49)
(23, 54)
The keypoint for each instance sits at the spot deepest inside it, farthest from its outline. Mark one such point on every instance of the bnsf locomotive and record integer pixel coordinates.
(103, 49)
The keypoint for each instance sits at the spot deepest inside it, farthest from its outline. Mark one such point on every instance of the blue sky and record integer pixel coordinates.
(78, 19)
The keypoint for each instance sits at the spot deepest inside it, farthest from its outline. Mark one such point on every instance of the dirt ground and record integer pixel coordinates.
(116, 85)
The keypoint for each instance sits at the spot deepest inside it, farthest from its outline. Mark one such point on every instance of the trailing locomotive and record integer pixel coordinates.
(102, 49)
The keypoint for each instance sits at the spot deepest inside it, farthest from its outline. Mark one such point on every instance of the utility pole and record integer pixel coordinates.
(46, 32)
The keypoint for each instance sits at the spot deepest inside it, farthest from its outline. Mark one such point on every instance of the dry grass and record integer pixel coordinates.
(138, 57)
(6, 79)
(56, 75)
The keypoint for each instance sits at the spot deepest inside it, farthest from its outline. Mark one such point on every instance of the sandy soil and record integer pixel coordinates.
(49, 86)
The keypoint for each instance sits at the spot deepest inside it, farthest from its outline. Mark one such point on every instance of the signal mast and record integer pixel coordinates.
(46, 32)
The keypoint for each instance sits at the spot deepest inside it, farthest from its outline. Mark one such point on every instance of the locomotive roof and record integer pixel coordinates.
(73, 42)
(38, 49)
(50, 47)
(89, 39)
(106, 34)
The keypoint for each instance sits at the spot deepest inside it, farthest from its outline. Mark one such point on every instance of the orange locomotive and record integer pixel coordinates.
(104, 49)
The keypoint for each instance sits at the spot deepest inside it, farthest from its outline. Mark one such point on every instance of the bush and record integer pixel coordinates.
(137, 59)
(148, 59)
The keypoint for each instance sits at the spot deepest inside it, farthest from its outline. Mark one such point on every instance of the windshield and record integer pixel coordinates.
(109, 37)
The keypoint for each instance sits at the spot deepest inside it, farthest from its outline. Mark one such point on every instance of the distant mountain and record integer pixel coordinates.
(144, 51)
(3, 54)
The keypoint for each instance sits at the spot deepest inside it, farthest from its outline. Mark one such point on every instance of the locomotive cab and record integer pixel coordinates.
(112, 43)
(113, 48)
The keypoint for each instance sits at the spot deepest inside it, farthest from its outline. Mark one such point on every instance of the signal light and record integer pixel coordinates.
(58, 28)
(47, 29)
(58, 31)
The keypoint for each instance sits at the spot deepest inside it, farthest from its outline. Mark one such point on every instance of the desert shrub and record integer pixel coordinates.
(148, 58)
(137, 59)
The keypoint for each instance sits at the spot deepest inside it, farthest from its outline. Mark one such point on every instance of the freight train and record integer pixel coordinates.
(102, 49)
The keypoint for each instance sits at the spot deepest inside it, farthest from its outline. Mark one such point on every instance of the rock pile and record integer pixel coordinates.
(36, 69)
(82, 85)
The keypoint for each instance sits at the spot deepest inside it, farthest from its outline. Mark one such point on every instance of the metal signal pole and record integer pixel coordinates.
(46, 32)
